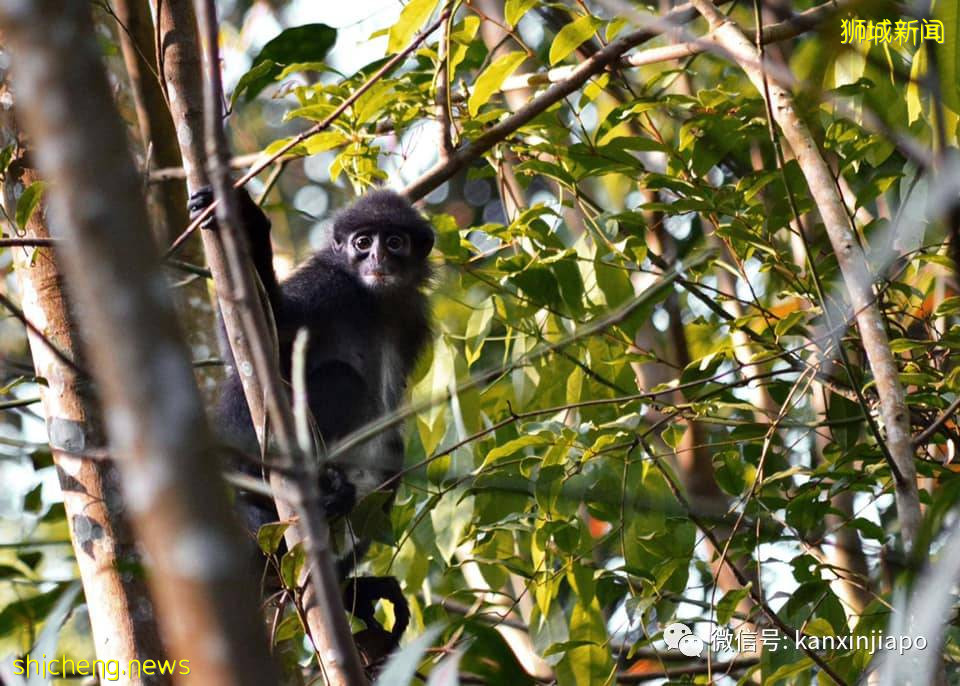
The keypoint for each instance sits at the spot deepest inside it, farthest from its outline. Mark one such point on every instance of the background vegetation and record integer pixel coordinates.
(648, 397)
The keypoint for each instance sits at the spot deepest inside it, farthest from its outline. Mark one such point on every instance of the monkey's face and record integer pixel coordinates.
(382, 258)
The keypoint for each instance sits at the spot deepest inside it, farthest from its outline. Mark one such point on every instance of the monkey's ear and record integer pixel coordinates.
(337, 244)
(425, 244)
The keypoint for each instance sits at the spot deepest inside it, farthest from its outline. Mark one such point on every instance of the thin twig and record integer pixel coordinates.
(27, 242)
(853, 265)
(36, 331)
(444, 112)
(788, 631)
(313, 130)
(925, 435)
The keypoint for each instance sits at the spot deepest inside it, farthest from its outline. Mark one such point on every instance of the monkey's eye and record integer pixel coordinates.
(395, 243)
(363, 242)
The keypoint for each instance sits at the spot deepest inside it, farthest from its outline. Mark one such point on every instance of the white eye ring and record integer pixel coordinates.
(395, 242)
(362, 242)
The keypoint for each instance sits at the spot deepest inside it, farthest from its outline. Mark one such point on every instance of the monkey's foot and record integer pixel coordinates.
(337, 494)
(374, 645)
(360, 595)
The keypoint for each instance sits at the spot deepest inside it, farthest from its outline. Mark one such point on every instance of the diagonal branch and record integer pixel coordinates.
(772, 33)
(850, 257)
(249, 335)
(315, 129)
(462, 157)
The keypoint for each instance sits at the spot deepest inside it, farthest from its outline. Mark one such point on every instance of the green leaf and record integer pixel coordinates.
(33, 501)
(369, 520)
(915, 91)
(374, 100)
(29, 611)
(323, 141)
(949, 307)
(291, 566)
(402, 667)
(818, 626)
(539, 284)
(411, 20)
(614, 281)
(6, 155)
(906, 345)
(290, 627)
(803, 665)
(572, 36)
(948, 52)
(588, 660)
(869, 529)
(307, 43)
(514, 10)
(255, 80)
(672, 435)
(492, 78)
(792, 320)
(490, 657)
(27, 203)
(728, 604)
(269, 536)
(461, 40)
(517, 444)
(614, 27)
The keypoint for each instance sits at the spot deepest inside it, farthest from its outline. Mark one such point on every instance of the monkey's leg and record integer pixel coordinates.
(361, 594)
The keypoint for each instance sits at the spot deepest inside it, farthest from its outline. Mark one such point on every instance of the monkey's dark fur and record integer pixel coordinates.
(361, 300)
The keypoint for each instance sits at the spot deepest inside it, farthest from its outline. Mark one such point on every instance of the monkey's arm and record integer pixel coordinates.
(256, 227)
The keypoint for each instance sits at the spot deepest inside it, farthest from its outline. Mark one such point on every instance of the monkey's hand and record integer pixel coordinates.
(199, 201)
(255, 225)
(337, 494)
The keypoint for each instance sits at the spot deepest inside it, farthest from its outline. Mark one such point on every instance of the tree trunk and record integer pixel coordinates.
(167, 199)
(121, 613)
(242, 313)
(155, 420)
(853, 267)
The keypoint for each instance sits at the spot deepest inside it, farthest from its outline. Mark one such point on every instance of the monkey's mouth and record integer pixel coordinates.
(379, 279)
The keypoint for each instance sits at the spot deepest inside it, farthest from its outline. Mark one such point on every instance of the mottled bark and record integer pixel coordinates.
(154, 416)
(121, 614)
(167, 201)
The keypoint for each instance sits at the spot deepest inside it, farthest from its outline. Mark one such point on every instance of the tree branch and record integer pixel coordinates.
(772, 33)
(316, 128)
(850, 257)
(250, 338)
(155, 420)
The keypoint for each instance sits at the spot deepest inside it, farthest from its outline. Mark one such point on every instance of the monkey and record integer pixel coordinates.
(362, 300)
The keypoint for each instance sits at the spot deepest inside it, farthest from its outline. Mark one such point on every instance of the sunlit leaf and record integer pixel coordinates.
(412, 19)
(28, 202)
(572, 36)
(514, 10)
(492, 78)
